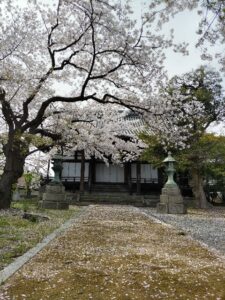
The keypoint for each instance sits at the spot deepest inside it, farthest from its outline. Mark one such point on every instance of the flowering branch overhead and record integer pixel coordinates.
(54, 57)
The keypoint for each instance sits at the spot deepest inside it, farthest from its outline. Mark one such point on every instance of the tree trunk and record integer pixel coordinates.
(15, 153)
(196, 184)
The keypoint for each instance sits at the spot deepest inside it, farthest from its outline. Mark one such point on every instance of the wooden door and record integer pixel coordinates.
(111, 173)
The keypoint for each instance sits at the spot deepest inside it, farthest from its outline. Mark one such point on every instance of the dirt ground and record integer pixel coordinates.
(118, 253)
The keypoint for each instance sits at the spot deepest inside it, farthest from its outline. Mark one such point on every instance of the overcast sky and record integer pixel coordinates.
(185, 25)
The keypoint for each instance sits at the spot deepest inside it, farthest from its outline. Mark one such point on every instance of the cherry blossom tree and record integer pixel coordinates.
(69, 52)
(107, 134)
(202, 105)
(110, 135)
(196, 102)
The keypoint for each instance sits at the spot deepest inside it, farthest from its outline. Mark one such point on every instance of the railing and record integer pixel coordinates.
(144, 180)
(133, 180)
(73, 179)
(67, 178)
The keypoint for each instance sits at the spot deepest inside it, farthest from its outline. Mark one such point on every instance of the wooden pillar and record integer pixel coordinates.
(138, 181)
(48, 168)
(161, 178)
(90, 173)
(129, 177)
(82, 170)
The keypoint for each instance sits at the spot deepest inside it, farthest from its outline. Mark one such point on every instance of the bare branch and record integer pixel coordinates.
(82, 121)
(109, 72)
(94, 52)
(72, 43)
(12, 50)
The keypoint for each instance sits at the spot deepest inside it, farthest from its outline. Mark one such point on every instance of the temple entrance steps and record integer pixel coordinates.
(109, 188)
(113, 198)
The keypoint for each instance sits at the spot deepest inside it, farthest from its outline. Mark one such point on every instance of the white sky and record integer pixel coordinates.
(185, 25)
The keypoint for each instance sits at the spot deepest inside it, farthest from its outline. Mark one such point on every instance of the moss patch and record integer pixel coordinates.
(18, 235)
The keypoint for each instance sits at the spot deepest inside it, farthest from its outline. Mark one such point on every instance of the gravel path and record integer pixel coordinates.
(207, 226)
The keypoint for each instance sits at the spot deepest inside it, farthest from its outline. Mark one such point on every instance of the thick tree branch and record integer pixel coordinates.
(46, 133)
(111, 99)
(32, 96)
(7, 110)
(33, 124)
(43, 148)
(50, 41)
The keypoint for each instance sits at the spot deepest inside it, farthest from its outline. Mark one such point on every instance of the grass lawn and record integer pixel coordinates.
(117, 253)
(17, 235)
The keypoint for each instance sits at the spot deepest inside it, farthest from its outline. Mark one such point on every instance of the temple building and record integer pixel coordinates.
(88, 173)
(134, 177)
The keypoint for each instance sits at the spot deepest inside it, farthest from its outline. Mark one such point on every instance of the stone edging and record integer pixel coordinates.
(20, 261)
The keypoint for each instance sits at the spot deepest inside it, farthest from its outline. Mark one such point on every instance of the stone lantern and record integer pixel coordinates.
(54, 196)
(171, 200)
(170, 170)
(57, 168)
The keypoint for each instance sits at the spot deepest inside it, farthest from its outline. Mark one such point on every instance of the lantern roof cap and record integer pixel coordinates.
(57, 156)
(169, 158)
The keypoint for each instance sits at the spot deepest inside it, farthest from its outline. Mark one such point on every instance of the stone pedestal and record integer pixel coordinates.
(171, 201)
(54, 197)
